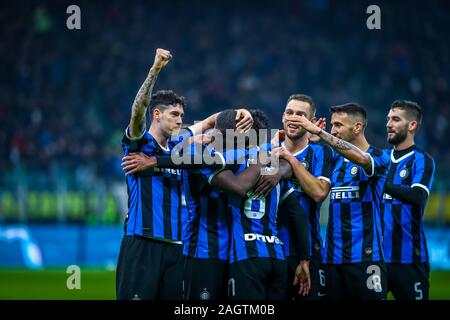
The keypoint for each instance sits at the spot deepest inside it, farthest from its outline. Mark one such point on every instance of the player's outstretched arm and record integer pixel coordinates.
(244, 122)
(143, 97)
(316, 188)
(238, 184)
(139, 161)
(346, 149)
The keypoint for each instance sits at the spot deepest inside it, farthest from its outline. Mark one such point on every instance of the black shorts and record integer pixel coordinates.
(358, 281)
(318, 279)
(205, 279)
(257, 279)
(149, 269)
(408, 281)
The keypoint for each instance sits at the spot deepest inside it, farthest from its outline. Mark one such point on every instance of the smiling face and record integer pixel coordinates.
(398, 125)
(295, 108)
(342, 126)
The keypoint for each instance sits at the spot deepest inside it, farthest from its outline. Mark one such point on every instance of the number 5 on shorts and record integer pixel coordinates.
(418, 290)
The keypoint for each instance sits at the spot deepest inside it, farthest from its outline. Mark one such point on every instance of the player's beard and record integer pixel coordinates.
(399, 136)
(299, 134)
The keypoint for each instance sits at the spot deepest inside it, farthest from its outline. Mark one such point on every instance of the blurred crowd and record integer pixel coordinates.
(65, 95)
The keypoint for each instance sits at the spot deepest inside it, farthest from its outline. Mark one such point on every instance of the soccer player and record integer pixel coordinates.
(257, 270)
(150, 264)
(206, 240)
(311, 165)
(354, 252)
(410, 177)
(206, 236)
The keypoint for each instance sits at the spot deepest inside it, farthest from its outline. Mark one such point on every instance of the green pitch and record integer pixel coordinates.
(52, 285)
(100, 285)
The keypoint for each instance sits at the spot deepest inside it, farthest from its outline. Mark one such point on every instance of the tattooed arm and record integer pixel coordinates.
(348, 150)
(143, 97)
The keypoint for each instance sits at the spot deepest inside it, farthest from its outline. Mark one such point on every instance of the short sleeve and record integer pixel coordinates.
(323, 164)
(380, 163)
(132, 144)
(423, 172)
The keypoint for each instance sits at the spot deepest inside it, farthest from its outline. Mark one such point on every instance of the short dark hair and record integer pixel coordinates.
(412, 109)
(163, 98)
(260, 122)
(352, 109)
(226, 120)
(304, 98)
(260, 119)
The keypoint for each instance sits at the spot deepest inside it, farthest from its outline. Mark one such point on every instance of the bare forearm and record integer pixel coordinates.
(205, 124)
(313, 187)
(142, 100)
(238, 184)
(210, 122)
(348, 150)
(247, 179)
(286, 170)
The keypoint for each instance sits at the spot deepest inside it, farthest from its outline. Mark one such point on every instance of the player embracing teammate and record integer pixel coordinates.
(258, 235)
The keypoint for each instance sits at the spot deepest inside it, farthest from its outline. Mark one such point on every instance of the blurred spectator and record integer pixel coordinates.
(66, 95)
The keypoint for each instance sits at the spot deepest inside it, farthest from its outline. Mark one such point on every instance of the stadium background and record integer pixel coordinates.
(65, 99)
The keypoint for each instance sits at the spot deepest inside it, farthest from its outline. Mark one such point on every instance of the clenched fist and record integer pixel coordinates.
(162, 58)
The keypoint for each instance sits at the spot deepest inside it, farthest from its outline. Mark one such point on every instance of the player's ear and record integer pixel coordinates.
(412, 126)
(156, 114)
(357, 128)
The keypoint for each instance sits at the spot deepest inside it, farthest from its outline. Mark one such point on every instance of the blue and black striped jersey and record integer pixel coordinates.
(354, 222)
(154, 195)
(404, 237)
(207, 234)
(318, 160)
(254, 231)
(184, 215)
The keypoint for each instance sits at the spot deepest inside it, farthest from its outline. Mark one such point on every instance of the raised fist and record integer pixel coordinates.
(162, 58)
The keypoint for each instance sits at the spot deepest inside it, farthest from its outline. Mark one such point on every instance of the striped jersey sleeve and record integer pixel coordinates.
(379, 163)
(424, 168)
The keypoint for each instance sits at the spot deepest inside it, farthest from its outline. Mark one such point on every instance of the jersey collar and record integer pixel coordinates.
(401, 158)
(298, 152)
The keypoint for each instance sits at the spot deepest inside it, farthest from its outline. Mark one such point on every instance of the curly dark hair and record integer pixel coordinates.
(163, 98)
(226, 119)
(260, 119)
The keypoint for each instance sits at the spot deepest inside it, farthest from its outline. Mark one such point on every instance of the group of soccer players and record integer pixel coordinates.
(245, 229)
